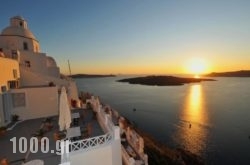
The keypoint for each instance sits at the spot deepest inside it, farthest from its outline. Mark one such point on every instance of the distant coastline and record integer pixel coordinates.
(163, 80)
(241, 73)
(91, 75)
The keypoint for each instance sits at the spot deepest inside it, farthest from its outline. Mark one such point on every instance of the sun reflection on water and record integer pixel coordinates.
(192, 130)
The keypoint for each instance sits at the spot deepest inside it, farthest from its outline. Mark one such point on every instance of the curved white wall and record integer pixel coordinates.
(16, 43)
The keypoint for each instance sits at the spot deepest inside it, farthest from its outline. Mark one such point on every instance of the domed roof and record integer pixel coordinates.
(18, 27)
(16, 31)
(18, 17)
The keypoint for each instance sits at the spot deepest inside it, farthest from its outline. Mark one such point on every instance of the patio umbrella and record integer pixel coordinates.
(64, 111)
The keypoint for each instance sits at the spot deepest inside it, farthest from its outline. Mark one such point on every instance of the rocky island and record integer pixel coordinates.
(241, 73)
(163, 80)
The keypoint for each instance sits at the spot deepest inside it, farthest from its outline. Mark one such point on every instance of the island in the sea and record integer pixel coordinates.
(91, 75)
(240, 73)
(163, 80)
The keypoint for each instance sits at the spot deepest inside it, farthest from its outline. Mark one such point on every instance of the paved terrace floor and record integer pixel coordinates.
(28, 127)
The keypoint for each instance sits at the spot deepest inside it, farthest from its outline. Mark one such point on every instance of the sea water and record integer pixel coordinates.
(210, 119)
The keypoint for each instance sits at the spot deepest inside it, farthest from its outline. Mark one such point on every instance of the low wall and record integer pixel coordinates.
(31, 103)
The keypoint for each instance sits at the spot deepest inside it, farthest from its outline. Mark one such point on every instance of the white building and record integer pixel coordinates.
(28, 77)
(30, 82)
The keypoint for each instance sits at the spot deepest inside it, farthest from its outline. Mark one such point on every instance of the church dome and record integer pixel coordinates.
(18, 27)
(15, 31)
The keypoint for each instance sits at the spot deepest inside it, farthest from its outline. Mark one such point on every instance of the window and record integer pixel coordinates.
(15, 73)
(25, 46)
(18, 100)
(14, 54)
(20, 23)
(3, 88)
(12, 84)
(27, 64)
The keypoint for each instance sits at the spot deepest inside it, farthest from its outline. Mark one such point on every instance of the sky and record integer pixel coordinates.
(138, 36)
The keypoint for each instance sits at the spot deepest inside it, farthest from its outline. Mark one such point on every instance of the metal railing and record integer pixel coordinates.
(90, 143)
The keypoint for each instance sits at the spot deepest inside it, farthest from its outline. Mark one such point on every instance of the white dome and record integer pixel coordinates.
(16, 31)
(18, 27)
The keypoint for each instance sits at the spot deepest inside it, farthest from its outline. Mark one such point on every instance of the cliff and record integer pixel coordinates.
(159, 153)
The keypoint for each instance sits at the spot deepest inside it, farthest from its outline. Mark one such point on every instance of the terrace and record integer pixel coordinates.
(88, 123)
(106, 147)
(98, 136)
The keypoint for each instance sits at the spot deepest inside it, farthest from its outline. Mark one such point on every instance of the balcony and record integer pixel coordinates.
(110, 137)
(90, 143)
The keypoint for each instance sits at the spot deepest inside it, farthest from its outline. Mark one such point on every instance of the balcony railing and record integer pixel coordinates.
(89, 143)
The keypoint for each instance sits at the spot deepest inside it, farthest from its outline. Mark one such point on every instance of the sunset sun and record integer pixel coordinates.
(197, 66)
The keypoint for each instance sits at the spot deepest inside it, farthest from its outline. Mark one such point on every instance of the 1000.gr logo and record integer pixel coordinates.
(34, 145)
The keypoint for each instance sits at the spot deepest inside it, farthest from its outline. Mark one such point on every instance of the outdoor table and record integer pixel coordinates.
(34, 162)
(73, 132)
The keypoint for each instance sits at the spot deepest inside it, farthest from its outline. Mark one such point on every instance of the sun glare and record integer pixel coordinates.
(197, 66)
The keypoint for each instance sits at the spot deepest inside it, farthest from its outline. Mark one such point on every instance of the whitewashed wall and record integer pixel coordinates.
(16, 43)
(40, 102)
(105, 155)
(38, 63)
